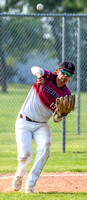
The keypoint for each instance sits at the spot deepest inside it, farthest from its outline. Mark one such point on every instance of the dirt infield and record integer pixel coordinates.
(50, 182)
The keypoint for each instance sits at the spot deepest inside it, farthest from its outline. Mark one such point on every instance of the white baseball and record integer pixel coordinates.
(40, 6)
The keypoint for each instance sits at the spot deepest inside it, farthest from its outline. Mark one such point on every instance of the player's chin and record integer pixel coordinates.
(65, 80)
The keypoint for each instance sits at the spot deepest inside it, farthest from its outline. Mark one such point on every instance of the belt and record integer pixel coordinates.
(27, 118)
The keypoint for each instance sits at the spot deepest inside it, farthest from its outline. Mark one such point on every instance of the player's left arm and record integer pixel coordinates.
(64, 105)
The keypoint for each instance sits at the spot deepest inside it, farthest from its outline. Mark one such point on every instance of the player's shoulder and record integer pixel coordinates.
(48, 74)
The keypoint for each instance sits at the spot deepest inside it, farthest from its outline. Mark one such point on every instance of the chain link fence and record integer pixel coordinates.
(43, 40)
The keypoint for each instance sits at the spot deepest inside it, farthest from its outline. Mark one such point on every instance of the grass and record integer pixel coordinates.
(74, 158)
(44, 196)
(57, 162)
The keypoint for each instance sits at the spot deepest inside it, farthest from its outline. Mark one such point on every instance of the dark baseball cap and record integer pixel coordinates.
(68, 66)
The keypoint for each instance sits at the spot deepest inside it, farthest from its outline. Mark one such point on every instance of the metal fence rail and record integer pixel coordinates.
(43, 40)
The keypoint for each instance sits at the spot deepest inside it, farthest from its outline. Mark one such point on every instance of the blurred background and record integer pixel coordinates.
(43, 38)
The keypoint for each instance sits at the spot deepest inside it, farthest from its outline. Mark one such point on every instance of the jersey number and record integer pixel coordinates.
(53, 106)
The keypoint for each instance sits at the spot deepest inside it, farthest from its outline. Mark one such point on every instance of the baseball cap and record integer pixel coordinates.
(68, 66)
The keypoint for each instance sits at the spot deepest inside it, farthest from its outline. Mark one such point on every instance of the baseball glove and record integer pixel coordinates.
(64, 105)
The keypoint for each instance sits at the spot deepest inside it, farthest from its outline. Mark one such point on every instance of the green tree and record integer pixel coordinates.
(23, 36)
(55, 6)
(51, 6)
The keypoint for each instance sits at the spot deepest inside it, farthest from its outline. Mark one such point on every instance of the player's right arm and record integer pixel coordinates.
(39, 73)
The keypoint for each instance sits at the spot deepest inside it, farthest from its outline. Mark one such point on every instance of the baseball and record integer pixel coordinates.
(40, 6)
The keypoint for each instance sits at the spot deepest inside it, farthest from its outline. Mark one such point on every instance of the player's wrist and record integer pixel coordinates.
(56, 118)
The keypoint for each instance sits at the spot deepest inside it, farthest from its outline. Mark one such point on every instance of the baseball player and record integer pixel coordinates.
(32, 121)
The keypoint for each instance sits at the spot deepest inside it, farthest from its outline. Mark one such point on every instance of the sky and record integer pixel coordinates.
(2, 2)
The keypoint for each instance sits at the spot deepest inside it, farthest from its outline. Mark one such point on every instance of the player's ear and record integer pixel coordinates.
(58, 71)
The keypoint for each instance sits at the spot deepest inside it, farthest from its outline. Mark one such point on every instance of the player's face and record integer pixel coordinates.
(63, 77)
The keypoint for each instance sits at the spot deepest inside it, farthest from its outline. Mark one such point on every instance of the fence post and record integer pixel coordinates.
(2, 61)
(63, 58)
(78, 76)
